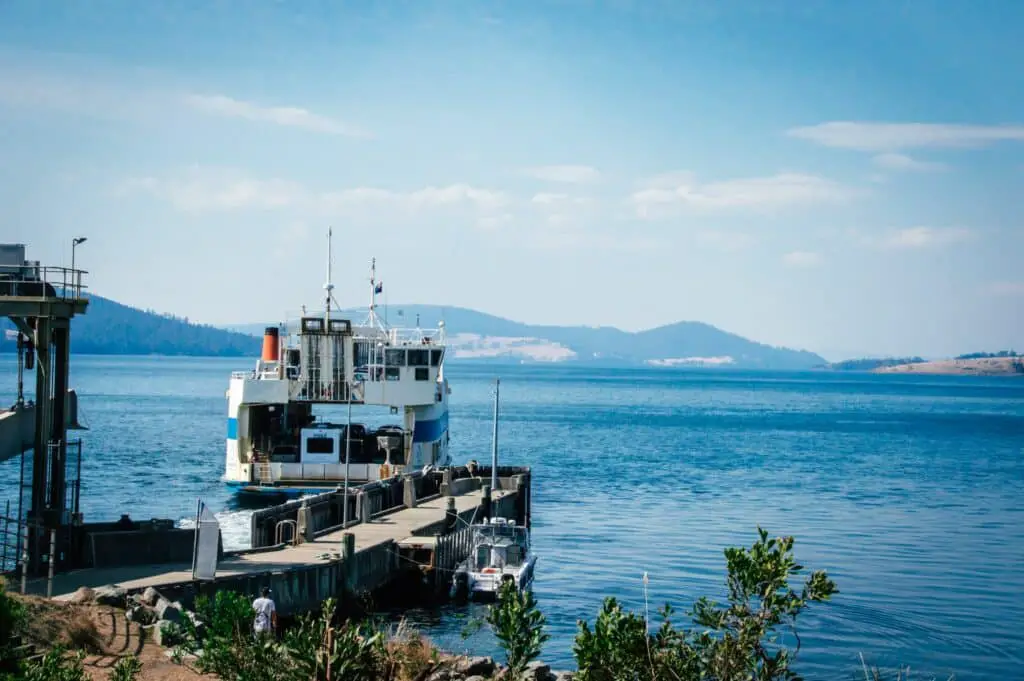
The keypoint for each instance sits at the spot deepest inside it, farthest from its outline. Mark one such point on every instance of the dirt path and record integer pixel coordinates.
(104, 634)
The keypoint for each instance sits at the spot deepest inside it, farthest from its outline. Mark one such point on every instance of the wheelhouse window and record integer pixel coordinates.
(392, 373)
(422, 374)
(435, 357)
(419, 358)
(394, 357)
(320, 445)
(361, 354)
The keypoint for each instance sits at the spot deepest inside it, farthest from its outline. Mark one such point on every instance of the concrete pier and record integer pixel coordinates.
(420, 534)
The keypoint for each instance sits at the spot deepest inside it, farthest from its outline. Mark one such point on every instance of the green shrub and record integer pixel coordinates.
(318, 651)
(519, 627)
(56, 665)
(230, 649)
(730, 642)
(126, 669)
(12, 621)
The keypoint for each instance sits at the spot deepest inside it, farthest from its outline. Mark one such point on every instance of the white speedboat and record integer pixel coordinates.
(499, 552)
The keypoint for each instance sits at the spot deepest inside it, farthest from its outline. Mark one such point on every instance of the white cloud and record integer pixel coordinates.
(198, 194)
(288, 116)
(1008, 288)
(562, 209)
(887, 137)
(776, 191)
(802, 259)
(902, 162)
(914, 238)
(568, 174)
(207, 190)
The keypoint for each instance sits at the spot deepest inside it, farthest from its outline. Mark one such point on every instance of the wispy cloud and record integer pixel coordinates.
(904, 163)
(288, 116)
(915, 238)
(200, 194)
(558, 209)
(210, 190)
(1007, 288)
(569, 174)
(776, 191)
(802, 259)
(888, 137)
(726, 241)
(129, 96)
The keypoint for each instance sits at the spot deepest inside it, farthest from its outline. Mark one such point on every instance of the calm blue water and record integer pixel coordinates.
(908, 490)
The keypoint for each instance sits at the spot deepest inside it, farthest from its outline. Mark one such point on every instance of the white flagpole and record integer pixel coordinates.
(494, 445)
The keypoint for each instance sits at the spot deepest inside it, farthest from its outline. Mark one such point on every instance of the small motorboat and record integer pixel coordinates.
(499, 552)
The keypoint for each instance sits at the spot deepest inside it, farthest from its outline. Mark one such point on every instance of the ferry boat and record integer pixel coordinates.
(275, 443)
(499, 552)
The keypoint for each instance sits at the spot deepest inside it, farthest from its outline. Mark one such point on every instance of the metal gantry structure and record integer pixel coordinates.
(41, 301)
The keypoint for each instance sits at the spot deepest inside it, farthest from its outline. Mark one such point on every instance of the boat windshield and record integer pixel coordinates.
(517, 533)
(483, 556)
(499, 554)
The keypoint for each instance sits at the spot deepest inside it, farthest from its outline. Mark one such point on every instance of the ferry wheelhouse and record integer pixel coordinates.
(275, 443)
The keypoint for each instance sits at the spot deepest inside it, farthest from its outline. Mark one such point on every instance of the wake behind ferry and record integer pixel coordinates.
(275, 443)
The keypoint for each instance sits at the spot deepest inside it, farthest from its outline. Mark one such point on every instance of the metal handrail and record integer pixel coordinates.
(279, 530)
(38, 281)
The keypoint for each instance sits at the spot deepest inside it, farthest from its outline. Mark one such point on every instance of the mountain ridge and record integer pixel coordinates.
(110, 327)
(687, 343)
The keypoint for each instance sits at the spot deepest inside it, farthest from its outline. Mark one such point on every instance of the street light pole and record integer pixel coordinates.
(76, 281)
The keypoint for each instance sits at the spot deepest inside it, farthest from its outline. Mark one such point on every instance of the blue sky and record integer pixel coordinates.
(841, 177)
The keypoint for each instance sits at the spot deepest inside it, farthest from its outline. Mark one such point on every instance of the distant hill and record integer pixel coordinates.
(109, 328)
(479, 336)
(112, 328)
(998, 365)
(989, 355)
(870, 363)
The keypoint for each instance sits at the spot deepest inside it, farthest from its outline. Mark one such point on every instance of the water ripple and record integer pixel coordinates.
(908, 490)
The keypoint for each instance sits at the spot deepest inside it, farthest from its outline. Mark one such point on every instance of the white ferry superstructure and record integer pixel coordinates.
(275, 444)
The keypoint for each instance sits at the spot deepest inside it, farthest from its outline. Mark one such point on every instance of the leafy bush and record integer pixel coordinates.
(230, 649)
(126, 669)
(56, 665)
(318, 651)
(735, 641)
(518, 625)
(12, 621)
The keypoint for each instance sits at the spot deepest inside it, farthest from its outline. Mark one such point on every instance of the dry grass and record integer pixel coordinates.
(48, 623)
(409, 653)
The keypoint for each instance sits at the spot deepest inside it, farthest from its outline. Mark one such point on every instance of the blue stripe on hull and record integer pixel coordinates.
(232, 429)
(430, 431)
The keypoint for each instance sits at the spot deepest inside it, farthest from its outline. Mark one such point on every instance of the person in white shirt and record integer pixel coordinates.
(265, 621)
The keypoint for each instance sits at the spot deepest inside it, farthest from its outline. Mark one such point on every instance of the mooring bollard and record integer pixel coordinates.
(409, 493)
(485, 505)
(451, 517)
(348, 555)
(365, 506)
(304, 522)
